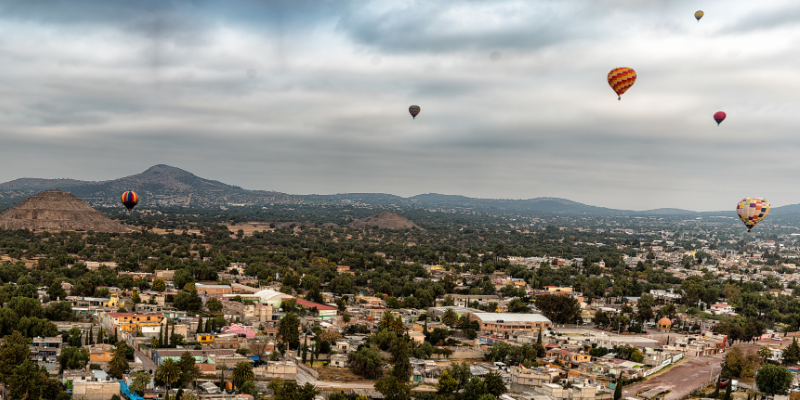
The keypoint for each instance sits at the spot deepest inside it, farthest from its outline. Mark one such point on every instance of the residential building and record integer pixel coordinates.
(91, 385)
(213, 290)
(507, 323)
(101, 353)
(130, 322)
(323, 311)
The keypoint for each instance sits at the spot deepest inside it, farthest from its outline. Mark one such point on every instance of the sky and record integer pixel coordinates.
(312, 97)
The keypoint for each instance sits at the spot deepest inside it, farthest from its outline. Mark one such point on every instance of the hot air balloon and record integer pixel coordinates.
(129, 200)
(414, 110)
(621, 79)
(719, 116)
(752, 211)
(699, 14)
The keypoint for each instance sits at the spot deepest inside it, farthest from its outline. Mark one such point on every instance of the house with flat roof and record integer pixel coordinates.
(213, 290)
(507, 323)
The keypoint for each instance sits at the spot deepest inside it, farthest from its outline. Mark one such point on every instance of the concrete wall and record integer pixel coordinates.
(94, 390)
(308, 370)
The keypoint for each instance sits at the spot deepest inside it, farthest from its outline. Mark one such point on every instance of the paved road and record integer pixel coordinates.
(681, 379)
(147, 363)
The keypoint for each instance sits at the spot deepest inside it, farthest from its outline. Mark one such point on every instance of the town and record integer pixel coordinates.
(298, 311)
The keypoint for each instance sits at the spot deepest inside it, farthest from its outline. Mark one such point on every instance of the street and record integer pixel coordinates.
(681, 379)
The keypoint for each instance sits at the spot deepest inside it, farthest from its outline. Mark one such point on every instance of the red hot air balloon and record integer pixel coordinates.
(129, 200)
(719, 116)
(413, 110)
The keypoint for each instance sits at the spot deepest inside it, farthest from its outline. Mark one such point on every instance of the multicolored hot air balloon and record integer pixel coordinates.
(719, 116)
(699, 14)
(414, 110)
(129, 200)
(752, 211)
(621, 79)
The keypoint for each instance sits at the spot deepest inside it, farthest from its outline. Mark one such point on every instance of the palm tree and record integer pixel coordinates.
(168, 372)
(242, 373)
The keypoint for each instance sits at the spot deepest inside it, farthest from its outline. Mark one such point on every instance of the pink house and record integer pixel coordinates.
(239, 329)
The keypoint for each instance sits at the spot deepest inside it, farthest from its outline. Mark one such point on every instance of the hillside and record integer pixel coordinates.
(163, 185)
(385, 220)
(159, 185)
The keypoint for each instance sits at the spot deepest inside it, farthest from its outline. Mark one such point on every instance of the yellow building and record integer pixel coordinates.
(205, 338)
(113, 301)
(130, 322)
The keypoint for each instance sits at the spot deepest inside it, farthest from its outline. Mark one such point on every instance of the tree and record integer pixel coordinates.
(713, 395)
(190, 372)
(791, 355)
(518, 306)
(249, 388)
(559, 309)
(401, 365)
(447, 384)
(461, 373)
(365, 362)
(773, 379)
(214, 305)
(258, 348)
(168, 373)
(188, 301)
(72, 358)
(289, 390)
(393, 389)
(158, 285)
(305, 349)
(199, 325)
(140, 381)
(618, 390)
(765, 353)
(74, 337)
(450, 318)
(728, 392)
(56, 292)
(188, 396)
(119, 362)
(494, 383)
(289, 330)
(474, 389)
(242, 373)
(637, 356)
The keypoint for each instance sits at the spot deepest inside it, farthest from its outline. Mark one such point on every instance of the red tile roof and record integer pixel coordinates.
(311, 304)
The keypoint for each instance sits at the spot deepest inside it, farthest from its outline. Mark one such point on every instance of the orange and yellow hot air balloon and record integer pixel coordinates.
(621, 79)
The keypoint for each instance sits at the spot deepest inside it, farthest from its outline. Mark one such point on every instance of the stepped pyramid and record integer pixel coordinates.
(56, 210)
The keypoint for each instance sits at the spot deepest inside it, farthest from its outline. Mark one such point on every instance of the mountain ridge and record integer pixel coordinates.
(164, 185)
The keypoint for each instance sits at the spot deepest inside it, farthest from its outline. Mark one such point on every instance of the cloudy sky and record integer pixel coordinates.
(312, 96)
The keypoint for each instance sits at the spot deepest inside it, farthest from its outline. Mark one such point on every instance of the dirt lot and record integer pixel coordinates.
(332, 374)
(249, 227)
(682, 379)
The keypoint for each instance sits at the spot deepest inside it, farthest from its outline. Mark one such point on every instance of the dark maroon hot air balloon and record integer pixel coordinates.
(719, 116)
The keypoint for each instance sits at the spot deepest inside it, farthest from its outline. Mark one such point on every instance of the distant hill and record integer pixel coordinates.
(159, 185)
(163, 185)
(385, 220)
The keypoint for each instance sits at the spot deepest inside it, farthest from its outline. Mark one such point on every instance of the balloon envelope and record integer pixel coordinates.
(129, 200)
(413, 110)
(752, 210)
(719, 116)
(699, 14)
(621, 79)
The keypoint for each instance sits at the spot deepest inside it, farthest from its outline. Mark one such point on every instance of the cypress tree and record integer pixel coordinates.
(172, 343)
(305, 350)
(618, 389)
(100, 335)
(90, 337)
(539, 340)
(161, 336)
(115, 336)
(728, 391)
(716, 391)
(200, 325)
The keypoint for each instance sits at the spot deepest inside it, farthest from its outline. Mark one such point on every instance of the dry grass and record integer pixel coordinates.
(332, 374)
(249, 227)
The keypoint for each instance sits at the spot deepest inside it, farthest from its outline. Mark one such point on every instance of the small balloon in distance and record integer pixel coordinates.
(699, 14)
(719, 116)
(621, 79)
(413, 110)
(752, 210)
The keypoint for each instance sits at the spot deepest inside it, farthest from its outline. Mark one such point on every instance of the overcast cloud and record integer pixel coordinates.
(312, 96)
